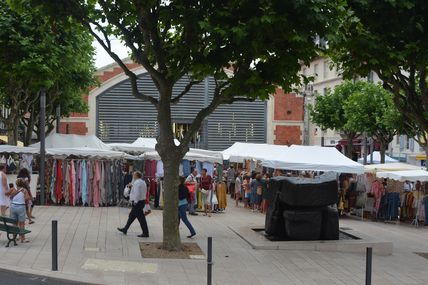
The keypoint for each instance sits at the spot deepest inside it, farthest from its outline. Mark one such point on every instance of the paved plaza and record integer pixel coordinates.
(93, 251)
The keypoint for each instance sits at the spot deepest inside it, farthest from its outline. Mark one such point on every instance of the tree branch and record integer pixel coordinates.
(185, 91)
(132, 76)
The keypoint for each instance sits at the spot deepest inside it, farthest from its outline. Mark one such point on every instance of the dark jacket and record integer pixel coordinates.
(183, 192)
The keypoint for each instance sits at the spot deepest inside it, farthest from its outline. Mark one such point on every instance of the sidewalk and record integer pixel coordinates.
(92, 250)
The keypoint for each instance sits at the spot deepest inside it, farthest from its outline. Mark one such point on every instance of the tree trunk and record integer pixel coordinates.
(12, 131)
(171, 157)
(382, 151)
(171, 233)
(349, 147)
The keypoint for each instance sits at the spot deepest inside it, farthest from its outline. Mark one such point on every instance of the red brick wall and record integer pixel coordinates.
(287, 135)
(75, 128)
(288, 107)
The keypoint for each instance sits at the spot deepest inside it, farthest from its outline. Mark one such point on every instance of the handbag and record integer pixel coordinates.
(147, 210)
(204, 191)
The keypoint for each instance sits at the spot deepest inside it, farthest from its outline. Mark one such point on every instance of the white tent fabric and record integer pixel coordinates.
(376, 158)
(373, 168)
(410, 175)
(62, 145)
(72, 141)
(239, 152)
(139, 146)
(314, 158)
(153, 155)
(18, 149)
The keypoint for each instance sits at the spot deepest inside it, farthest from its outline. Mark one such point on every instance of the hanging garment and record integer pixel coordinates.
(186, 167)
(109, 185)
(209, 167)
(72, 184)
(159, 169)
(52, 183)
(11, 165)
(58, 186)
(221, 195)
(67, 184)
(97, 175)
(198, 166)
(102, 185)
(89, 184)
(64, 180)
(377, 191)
(26, 162)
(83, 183)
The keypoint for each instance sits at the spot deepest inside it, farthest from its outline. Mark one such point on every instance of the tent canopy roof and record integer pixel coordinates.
(410, 175)
(376, 158)
(4, 148)
(72, 141)
(316, 158)
(239, 151)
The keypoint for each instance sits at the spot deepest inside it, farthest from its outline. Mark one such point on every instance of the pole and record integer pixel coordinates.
(58, 117)
(54, 245)
(210, 261)
(42, 145)
(369, 254)
(371, 150)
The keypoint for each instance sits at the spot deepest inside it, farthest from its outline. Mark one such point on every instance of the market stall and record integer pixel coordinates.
(82, 170)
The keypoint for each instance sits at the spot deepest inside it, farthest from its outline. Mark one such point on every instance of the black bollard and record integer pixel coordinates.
(54, 245)
(210, 261)
(369, 266)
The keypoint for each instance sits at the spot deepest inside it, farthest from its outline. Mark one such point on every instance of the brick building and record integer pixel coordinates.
(115, 116)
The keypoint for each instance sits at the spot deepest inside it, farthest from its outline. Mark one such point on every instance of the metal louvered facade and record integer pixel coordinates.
(123, 118)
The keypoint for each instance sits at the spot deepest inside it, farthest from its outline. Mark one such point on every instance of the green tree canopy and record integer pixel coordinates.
(370, 109)
(328, 112)
(37, 52)
(248, 46)
(388, 37)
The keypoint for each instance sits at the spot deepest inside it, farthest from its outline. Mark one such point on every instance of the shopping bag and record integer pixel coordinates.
(147, 210)
(126, 192)
(214, 199)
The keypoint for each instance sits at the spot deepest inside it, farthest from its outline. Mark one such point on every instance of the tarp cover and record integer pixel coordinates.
(410, 175)
(315, 158)
(376, 158)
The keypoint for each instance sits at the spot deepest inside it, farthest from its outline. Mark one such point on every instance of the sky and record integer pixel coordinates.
(102, 58)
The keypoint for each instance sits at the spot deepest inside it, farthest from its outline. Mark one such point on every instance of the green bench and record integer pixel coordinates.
(9, 226)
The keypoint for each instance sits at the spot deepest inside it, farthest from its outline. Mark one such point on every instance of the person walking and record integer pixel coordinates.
(238, 189)
(231, 175)
(137, 197)
(192, 180)
(183, 197)
(4, 188)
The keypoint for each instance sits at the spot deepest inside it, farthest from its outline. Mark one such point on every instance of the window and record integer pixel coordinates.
(316, 69)
(324, 91)
(304, 71)
(397, 139)
(407, 140)
(180, 130)
(326, 68)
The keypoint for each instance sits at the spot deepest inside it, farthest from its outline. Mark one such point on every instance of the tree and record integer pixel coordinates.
(329, 112)
(390, 38)
(35, 53)
(248, 47)
(370, 109)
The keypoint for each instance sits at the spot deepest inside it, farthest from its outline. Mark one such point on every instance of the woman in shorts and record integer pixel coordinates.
(18, 200)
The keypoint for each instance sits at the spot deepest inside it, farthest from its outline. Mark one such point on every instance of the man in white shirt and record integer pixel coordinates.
(192, 180)
(137, 197)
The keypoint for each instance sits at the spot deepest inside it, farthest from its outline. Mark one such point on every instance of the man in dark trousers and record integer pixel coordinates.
(137, 197)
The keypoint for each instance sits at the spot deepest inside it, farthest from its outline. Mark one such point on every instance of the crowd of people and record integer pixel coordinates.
(17, 198)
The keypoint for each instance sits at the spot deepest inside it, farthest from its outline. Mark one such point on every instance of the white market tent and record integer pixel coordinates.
(376, 158)
(410, 175)
(314, 158)
(147, 148)
(373, 168)
(18, 149)
(239, 151)
(62, 145)
(153, 155)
